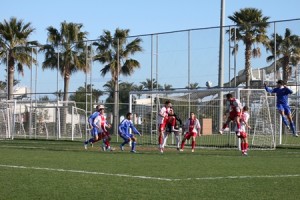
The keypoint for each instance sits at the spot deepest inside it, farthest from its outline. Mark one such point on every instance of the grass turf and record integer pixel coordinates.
(34, 169)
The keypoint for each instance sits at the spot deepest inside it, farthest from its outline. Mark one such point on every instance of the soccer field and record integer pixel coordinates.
(32, 169)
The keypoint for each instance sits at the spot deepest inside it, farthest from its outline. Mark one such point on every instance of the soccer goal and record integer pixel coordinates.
(208, 105)
(42, 120)
(5, 121)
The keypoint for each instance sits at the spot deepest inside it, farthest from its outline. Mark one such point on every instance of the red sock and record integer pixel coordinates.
(107, 144)
(182, 145)
(246, 146)
(193, 144)
(242, 146)
(160, 139)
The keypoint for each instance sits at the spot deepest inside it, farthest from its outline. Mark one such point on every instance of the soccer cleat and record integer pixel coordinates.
(244, 154)
(103, 148)
(133, 151)
(221, 131)
(161, 150)
(122, 148)
(178, 149)
(181, 150)
(295, 135)
(110, 148)
(92, 145)
(85, 146)
(288, 127)
(193, 150)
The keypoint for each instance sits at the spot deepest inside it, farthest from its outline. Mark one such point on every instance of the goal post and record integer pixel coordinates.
(205, 103)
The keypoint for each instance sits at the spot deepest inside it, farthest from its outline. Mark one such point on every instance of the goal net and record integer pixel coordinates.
(208, 106)
(42, 120)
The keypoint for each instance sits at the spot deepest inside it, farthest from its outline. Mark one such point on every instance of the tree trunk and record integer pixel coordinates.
(286, 69)
(10, 78)
(248, 64)
(65, 105)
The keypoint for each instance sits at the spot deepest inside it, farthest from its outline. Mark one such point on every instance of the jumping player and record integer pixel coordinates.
(233, 112)
(172, 127)
(243, 134)
(282, 92)
(193, 126)
(124, 132)
(162, 119)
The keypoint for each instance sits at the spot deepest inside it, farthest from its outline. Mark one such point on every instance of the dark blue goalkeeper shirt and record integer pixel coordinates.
(281, 93)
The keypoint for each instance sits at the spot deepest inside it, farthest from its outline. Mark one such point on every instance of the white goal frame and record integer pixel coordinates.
(208, 103)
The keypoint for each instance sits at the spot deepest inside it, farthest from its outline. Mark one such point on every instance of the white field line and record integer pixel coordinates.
(149, 177)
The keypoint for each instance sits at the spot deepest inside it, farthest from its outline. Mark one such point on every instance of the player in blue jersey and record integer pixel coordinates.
(282, 92)
(93, 127)
(124, 132)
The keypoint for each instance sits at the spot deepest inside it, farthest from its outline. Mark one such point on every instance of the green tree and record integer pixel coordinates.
(69, 42)
(251, 30)
(287, 51)
(148, 84)
(71, 55)
(15, 48)
(138, 88)
(114, 52)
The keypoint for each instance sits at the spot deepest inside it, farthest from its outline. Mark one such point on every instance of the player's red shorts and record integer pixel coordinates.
(188, 135)
(243, 135)
(233, 114)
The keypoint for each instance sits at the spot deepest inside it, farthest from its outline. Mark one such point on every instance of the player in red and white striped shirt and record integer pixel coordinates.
(193, 127)
(233, 112)
(243, 134)
(162, 119)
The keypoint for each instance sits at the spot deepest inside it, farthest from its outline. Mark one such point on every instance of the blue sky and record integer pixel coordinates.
(141, 17)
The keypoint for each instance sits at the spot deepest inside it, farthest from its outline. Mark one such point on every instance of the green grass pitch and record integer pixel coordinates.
(35, 169)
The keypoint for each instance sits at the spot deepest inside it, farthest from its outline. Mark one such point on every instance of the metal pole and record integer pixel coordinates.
(189, 67)
(36, 76)
(30, 114)
(86, 100)
(274, 78)
(221, 62)
(229, 57)
(57, 99)
(151, 76)
(234, 58)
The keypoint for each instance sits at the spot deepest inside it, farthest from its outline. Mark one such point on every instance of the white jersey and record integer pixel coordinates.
(192, 125)
(233, 105)
(163, 112)
(244, 120)
(100, 122)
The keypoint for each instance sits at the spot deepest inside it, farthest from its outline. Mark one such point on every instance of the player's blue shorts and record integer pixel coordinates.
(284, 107)
(94, 131)
(125, 136)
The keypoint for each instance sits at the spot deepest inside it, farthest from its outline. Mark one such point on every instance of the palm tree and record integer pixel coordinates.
(138, 88)
(69, 41)
(71, 55)
(287, 51)
(251, 30)
(149, 85)
(15, 49)
(114, 51)
(193, 86)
